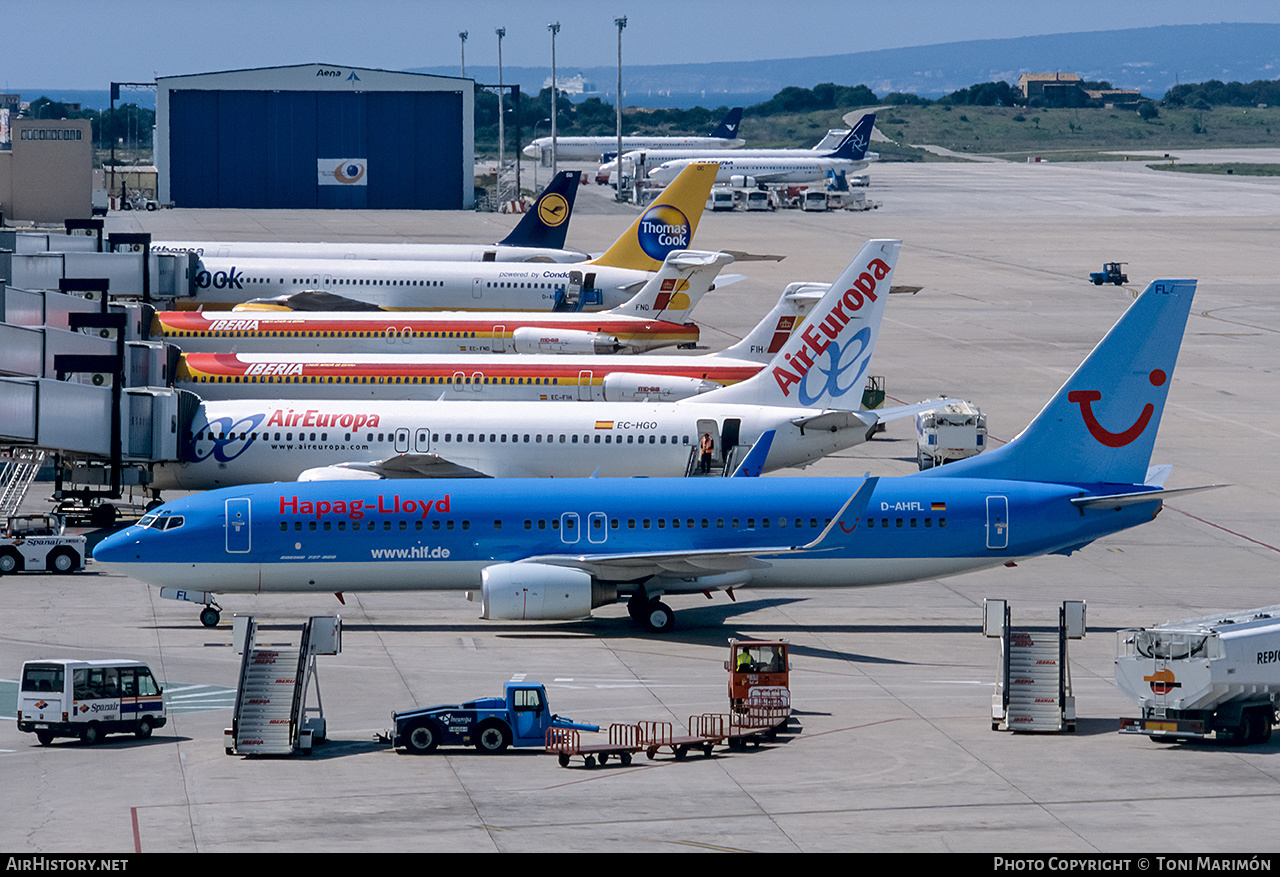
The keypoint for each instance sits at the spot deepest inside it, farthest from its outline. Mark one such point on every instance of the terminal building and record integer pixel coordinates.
(316, 136)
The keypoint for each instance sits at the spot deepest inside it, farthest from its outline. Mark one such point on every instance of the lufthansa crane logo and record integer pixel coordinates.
(553, 210)
(1086, 398)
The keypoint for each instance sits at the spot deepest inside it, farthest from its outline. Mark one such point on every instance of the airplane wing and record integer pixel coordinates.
(399, 466)
(705, 562)
(311, 300)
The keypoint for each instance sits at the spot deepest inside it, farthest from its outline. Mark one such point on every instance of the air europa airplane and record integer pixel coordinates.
(538, 237)
(649, 320)
(606, 282)
(485, 376)
(556, 549)
(809, 393)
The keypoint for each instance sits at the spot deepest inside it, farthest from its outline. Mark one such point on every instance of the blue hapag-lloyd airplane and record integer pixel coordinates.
(556, 549)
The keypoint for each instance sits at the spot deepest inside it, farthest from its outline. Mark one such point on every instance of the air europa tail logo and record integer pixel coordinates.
(1086, 398)
(832, 325)
(663, 229)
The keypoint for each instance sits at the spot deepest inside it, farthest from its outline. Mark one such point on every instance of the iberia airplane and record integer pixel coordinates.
(559, 548)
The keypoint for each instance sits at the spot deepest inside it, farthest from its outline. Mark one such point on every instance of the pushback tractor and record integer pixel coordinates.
(1218, 675)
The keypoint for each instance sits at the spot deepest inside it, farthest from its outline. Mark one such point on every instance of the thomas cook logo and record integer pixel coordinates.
(349, 172)
(664, 229)
(553, 210)
(1162, 681)
(1086, 398)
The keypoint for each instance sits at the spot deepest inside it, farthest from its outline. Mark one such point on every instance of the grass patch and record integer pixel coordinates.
(1239, 169)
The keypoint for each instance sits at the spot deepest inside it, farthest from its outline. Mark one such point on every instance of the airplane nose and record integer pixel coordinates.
(117, 548)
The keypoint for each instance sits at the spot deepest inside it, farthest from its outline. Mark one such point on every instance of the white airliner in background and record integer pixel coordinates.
(809, 394)
(538, 237)
(725, 136)
(851, 155)
(606, 282)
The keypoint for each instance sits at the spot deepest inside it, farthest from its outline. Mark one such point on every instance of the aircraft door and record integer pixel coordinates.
(400, 441)
(585, 385)
(569, 528)
(477, 288)
(997, 522)
(498, 344)
(422, 440)
(238, 539)
(597, 528)
(729, 434)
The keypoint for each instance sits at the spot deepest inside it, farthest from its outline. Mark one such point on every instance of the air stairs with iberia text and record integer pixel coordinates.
(271, 715)
(1034, 688)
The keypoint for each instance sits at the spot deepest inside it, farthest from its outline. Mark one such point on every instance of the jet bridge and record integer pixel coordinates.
(73, 386)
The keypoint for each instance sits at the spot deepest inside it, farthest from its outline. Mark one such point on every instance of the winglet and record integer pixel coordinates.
(850, 514)
(753, 463)
(547, 222)
(668, 224)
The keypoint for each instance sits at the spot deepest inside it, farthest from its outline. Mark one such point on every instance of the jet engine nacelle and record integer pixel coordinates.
(629, 387)
(741, 181)
(531, 339)
(539, 592)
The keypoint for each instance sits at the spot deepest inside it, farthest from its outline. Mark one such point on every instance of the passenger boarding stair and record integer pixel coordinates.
(271, 715)
(20, 468)
(1034, 688)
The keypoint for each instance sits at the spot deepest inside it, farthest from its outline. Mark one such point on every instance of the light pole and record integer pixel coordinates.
(621, 23)
(539, 161)
(555, 164)
(462, 35)
(501, 32)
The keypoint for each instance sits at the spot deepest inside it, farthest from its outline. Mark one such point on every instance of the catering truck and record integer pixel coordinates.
(1216, 675)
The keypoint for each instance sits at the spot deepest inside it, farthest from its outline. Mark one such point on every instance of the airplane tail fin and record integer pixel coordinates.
(854, 146)
(824, 365)
(668, 224)
(684, 278)
(766, 339)
(1101, 424)
(728, 127)
(547, 223)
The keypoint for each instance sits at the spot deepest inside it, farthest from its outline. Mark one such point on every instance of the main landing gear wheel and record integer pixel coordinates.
(658, 617)
(210, 616)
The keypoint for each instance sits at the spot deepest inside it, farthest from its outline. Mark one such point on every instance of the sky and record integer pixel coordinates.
(87, 44)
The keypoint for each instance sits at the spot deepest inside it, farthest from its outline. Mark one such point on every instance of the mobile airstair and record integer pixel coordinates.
(1033, 690)
(20, 468)
(271, 716)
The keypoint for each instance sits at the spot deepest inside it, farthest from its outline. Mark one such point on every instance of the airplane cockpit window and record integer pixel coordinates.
(161, 522)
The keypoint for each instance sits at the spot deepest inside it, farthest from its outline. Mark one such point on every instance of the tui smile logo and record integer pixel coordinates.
(1086, 398)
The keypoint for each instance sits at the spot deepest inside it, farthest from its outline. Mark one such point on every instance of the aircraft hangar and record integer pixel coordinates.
(314, 136)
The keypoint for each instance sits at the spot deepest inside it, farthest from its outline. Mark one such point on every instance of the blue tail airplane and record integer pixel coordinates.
(558, 548)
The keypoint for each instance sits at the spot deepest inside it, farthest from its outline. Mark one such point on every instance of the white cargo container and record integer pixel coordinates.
(952, 431)
(1219, 674)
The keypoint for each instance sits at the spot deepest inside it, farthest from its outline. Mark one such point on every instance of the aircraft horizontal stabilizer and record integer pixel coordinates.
(1117, 500)
(400, 466)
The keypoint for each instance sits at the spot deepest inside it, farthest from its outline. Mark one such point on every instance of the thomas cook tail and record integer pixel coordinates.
(667, 225)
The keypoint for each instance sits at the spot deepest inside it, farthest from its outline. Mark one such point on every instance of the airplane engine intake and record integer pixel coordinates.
(539, 592)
